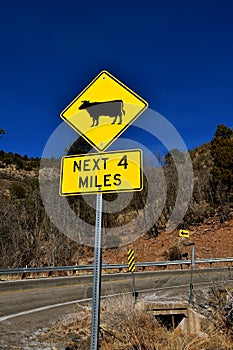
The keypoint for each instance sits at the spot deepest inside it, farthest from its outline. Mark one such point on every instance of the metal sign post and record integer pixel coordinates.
(191, 278)
(131, 264)
(181, 245)
(97, 275)
(187, 244)
(134, 289)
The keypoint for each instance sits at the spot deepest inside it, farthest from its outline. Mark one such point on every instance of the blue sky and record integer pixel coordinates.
(178, 55)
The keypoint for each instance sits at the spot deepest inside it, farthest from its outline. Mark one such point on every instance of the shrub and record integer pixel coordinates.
(217, 305)
(18, 191)
(174, 253)
(124, 327)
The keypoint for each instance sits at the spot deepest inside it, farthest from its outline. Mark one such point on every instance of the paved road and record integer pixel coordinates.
(28, 305)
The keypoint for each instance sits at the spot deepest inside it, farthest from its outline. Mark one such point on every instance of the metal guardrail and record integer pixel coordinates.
(25, 270)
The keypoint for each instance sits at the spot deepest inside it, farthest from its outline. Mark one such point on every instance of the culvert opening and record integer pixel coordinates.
(170, 322)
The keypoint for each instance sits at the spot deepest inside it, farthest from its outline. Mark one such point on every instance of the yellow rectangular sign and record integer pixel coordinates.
(184, 233)
(119, 171)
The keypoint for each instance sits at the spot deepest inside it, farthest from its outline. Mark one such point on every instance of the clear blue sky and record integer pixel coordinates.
(178, 55)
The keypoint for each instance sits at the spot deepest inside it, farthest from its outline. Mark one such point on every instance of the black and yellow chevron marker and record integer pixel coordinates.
(131, 261)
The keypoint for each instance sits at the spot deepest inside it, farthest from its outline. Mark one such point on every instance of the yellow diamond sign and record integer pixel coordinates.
(103, 110)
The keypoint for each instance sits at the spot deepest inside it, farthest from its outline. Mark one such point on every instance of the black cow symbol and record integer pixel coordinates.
(112, 109)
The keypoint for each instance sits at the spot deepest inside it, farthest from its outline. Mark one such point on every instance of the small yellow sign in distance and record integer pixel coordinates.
(119, 171)
(103, 110)
(184, 233)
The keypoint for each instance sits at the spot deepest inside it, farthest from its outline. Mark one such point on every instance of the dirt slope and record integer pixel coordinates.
(212, 240)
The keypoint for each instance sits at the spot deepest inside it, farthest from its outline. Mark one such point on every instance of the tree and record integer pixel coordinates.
(223, 131)
(80, 146)
(222, 153)
(2, 132)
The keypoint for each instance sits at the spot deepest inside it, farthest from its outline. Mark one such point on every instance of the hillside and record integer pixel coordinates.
(33, 240)
(212, 240)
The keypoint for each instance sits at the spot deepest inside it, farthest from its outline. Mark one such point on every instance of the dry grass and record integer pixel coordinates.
(122, 327)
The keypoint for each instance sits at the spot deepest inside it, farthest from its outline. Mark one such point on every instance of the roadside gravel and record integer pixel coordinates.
(21, 333)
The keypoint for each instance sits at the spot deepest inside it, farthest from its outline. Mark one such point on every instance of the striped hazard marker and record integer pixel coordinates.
(131, 261)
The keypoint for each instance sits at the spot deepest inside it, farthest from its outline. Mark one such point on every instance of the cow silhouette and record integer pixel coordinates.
(112, 109)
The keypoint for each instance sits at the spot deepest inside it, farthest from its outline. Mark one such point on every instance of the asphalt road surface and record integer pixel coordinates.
(28, 306)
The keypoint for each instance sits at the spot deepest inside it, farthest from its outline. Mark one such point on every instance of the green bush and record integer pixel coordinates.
(18, 191)
(174, 253)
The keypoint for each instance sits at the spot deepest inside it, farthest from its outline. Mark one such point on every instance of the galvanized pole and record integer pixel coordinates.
(181, 244)
(134, 289)
(191, 278)
(97, 275)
